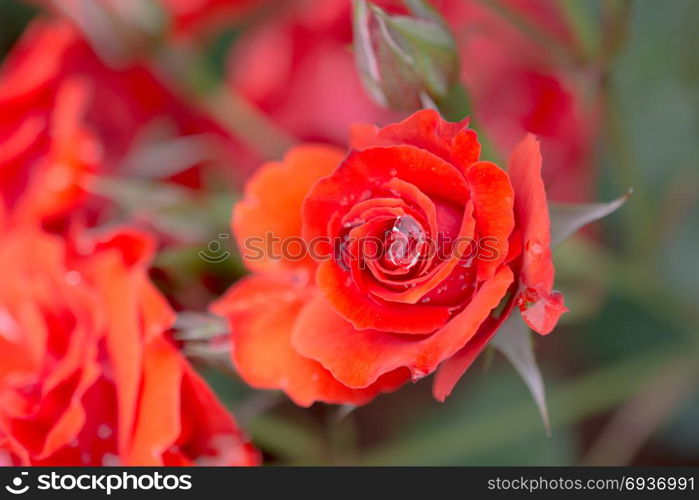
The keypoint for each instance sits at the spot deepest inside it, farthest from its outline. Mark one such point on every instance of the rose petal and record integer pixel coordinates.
(453, 142)
(157, 424)
(357, 358)
(262, 312)
(135, 247)
(272, 206)
(451, 371)
(442, 270)
(210, 435)
(362, 311)
(363, 173)
(544, 313)
(493, 199)
(531, 212)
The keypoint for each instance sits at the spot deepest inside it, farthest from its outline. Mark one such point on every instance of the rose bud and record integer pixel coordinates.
(406, 61)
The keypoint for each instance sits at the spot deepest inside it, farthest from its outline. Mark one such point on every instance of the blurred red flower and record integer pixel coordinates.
(87, 373)
(348, 322)
(67, 114)
(46, 157)
(520, 82)
(297, 66)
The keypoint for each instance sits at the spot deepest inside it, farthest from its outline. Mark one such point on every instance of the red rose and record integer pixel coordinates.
(456, 244)
(87, 374)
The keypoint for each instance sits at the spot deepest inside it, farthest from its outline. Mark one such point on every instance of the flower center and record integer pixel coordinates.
(405, 244)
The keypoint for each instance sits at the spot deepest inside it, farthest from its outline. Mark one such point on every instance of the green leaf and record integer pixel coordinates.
(421, 33)
(423, 10)
(399, 81)
(196, 326)
(566, 218)
(431, 49)
(172, 209)
(165, 157)
(514, 341)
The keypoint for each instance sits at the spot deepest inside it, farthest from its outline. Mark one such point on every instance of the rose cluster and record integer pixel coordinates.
(415, 248)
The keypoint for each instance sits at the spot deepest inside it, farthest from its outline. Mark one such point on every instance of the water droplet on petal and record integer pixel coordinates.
(417, 374)
(534, 247)
(467, 263)
(73, 278)
(104, 431)
(110, 460)
(406, 243)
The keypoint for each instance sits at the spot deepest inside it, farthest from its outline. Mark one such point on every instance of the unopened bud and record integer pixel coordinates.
(406, 62)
